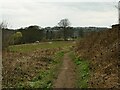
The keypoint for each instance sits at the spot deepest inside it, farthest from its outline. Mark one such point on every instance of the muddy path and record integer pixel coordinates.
(66, 76)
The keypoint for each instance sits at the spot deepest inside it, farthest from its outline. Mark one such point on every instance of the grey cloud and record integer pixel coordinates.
(49, 13)
(88, 6)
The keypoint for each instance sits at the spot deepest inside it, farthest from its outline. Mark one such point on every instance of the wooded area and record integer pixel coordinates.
(35, 33)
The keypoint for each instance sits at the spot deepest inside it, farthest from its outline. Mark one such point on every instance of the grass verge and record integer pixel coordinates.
(82, 71)
(45, 77)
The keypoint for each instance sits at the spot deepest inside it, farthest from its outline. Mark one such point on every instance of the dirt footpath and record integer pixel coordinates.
(66, 76)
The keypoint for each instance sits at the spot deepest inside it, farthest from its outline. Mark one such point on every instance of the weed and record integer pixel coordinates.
(82, 71)
(45, 77)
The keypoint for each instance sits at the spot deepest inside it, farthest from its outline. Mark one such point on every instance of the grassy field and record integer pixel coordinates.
(45, 77)
(33, 65)
(43, 45)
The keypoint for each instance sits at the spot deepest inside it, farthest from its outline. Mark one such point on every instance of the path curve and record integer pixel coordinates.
(66, 76)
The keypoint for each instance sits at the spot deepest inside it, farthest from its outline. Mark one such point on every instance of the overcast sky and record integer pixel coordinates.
(23, 13)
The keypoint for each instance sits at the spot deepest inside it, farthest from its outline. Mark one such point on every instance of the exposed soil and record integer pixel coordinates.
(66, 76)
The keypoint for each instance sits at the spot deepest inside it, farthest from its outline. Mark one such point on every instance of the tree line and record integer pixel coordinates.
(35, 33)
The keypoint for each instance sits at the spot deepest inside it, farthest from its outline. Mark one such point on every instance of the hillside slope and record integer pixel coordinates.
(101, 50)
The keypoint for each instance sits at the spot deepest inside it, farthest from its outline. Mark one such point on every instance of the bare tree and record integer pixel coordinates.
(3, 24)
(64, 23)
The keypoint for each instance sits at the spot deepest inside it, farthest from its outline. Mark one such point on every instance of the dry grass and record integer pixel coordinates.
(22, 68)
(101, 49)
(32, 65)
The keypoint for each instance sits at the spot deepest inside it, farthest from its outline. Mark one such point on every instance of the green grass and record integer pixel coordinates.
(42, 45)
(82, 71)
(45, 78)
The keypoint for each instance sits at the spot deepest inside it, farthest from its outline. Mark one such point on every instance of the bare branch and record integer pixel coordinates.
(64, 23)
(3, 24)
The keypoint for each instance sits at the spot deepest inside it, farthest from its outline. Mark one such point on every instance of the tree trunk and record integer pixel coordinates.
(65, 35)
